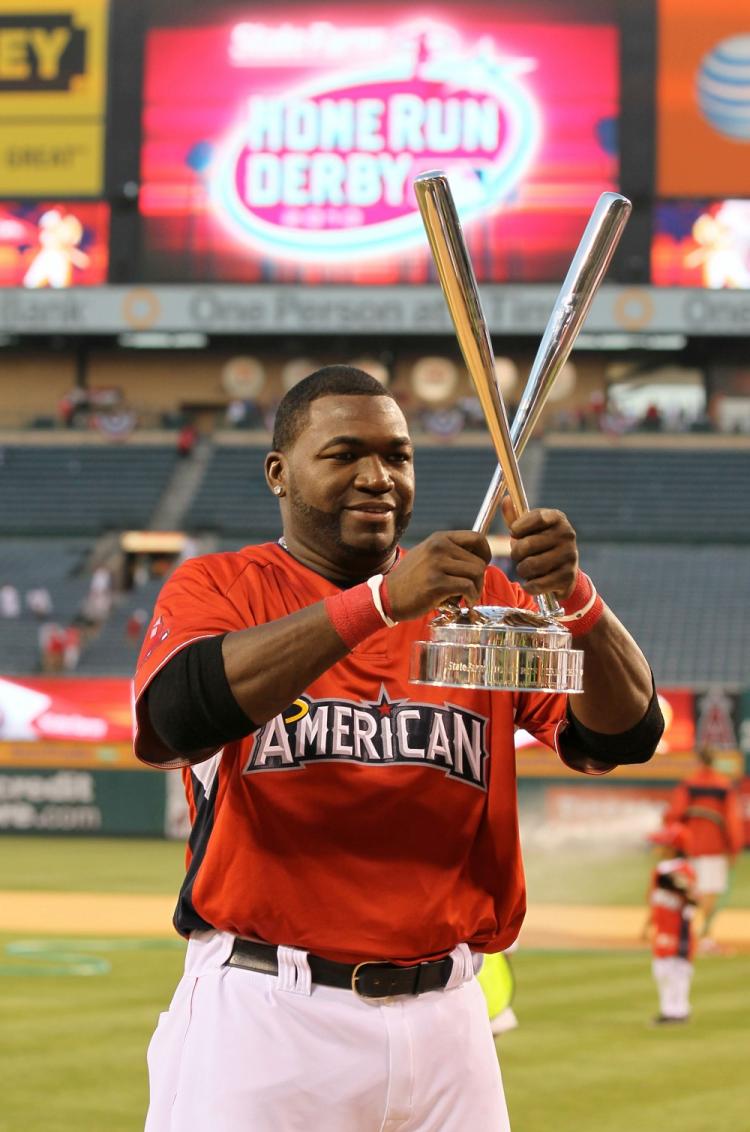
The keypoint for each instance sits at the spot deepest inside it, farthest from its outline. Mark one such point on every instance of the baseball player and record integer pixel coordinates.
(671, 911)
(354, 837)
(708, 804)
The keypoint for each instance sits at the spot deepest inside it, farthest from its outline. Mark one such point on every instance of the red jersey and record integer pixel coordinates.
(373, 818)
(672, 909)
(708, 805)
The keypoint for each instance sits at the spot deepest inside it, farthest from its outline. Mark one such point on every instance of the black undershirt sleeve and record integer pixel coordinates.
(190, 704)
(594, 753)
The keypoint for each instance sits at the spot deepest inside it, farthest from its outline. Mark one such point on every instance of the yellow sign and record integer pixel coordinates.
(52, 97)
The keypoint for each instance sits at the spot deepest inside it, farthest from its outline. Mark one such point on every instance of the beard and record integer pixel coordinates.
(323, 529)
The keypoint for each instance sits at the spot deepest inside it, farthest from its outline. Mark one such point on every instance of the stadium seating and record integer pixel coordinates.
(641, 494)
(26, 563)
(86, 489)
(687, 606)
(233, 498)
(111, 652)
(665, 532)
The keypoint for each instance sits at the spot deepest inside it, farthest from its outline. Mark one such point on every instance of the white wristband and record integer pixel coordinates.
(375, 582)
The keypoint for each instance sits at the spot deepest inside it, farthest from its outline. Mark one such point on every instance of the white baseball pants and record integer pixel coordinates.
(244, 1052)
(673, 977)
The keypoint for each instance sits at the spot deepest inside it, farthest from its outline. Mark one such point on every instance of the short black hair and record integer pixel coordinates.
(292, 413)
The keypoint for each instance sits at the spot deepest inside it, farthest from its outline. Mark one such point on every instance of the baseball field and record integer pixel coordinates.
(88, 959)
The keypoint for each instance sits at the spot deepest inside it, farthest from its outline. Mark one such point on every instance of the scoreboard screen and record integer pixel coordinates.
(281, 145)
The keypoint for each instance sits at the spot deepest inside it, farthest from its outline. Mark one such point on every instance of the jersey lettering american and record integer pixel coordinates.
(372, 818)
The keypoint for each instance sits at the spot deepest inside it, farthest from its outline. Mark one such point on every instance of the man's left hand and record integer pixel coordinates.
(543, 549)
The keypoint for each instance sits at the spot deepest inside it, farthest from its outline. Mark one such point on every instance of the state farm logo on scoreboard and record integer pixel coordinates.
(40, 51)
(325, 171)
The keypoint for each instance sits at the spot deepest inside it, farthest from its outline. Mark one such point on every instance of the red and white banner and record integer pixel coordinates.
(92, 711)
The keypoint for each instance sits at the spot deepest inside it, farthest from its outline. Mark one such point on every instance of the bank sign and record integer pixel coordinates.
(297, 140)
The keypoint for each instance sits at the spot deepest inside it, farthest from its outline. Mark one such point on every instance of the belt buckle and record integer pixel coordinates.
(370, 962)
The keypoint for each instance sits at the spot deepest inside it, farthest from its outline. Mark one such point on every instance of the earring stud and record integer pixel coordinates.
(277, 490)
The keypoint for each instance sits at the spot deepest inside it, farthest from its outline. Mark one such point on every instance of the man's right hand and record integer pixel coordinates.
(447, 564)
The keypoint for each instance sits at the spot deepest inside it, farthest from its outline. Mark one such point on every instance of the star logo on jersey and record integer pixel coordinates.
(382, 732)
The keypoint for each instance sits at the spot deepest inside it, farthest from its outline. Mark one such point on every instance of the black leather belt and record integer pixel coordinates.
(368, 980)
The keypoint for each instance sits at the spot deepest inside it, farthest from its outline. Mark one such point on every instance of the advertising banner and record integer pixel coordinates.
(718, 719)
(281, 145)
(106, 803)
(69, 710)
(703, 99)
(603, 814)
(53, 244)
(645, 314)
(52, 97)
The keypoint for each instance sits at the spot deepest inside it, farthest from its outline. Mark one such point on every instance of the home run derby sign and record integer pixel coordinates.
(325, 169)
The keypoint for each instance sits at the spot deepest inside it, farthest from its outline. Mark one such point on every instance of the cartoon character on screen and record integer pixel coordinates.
(723, 251)
(58, 252)
(672, 905)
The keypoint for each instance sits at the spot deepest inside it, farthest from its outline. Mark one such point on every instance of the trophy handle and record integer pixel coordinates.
(587, 269)
(459, 286)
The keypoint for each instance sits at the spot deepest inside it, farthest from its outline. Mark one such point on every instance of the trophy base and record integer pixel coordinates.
(500, 649)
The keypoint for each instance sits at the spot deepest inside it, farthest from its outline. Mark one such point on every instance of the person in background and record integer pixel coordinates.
(97, 605)
(187, 438)
(51, 646)
(10, 601)
(708, 804)
(39, 602)
(71, 648)
(671, 902)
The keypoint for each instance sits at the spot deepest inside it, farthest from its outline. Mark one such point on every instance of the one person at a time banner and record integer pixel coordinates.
(354, 846)
(707, 803)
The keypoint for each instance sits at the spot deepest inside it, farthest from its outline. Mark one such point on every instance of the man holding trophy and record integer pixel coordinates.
(349, 763)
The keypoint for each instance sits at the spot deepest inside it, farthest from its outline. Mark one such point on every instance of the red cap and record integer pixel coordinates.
(672, 834)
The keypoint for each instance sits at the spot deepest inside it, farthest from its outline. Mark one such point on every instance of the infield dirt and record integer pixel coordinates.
(123, 914)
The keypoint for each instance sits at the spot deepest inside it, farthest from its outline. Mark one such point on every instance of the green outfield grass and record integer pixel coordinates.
(72, 1049)
(608, 876)
(567, 876)
(76, 1016)
(585, 1060)
(90, 864)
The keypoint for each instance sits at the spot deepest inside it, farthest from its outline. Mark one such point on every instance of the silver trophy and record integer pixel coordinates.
(499, 647)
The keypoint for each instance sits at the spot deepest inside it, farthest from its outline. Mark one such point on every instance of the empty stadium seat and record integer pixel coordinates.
(639, 494)
(87, 489)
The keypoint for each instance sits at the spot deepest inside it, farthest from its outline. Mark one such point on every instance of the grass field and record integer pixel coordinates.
(76, 1015)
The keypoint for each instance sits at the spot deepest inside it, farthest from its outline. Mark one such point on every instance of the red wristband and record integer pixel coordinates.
(583, 608)
(354, 615)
